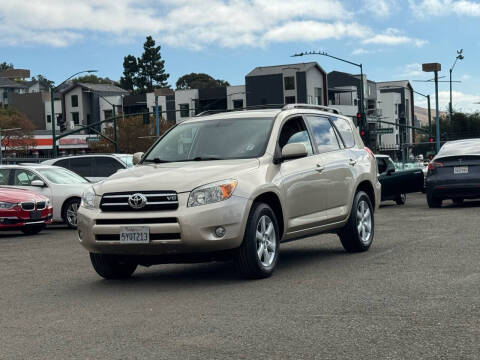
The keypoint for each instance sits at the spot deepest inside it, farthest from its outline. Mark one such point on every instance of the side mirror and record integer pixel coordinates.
(38, 183)
(137, 157)
(294, 151)
(390, 171)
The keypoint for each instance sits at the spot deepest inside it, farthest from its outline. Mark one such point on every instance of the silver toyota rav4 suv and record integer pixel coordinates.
(234, 186)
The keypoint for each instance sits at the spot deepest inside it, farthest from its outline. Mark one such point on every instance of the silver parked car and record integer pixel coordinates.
(234, 186)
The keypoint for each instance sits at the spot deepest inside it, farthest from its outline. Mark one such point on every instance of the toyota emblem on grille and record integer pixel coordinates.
(137, 201)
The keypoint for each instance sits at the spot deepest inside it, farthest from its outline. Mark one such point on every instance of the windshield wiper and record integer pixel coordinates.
(205, 158)
(156, 160)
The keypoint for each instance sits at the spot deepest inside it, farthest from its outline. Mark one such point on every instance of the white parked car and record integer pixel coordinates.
(63, 187)
(94, 167)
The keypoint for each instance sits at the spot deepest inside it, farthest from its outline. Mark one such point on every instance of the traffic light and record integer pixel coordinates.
(431, 139)
(61, 123)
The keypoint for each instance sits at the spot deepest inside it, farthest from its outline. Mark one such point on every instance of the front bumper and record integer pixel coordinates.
(14, 219)
(378, 194)
(185, 230)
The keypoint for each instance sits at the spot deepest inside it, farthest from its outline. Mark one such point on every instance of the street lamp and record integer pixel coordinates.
(52, 105)
(4, 130)
(362, 104)
(459, 57)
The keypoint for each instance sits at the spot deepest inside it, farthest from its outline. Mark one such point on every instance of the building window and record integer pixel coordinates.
(5, 94)
(318, 96)
(289, 82)
(238, 104)
(289, 99)
(108, 114)
(75, 118)
(49, 118)
(184, 110)
(74, 100)
(310, 99)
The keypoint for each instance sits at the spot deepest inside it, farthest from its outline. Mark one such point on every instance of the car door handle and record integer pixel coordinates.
(352, 162)
(319, 168)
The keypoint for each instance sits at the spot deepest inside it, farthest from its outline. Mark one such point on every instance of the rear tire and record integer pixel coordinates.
(433, 202)
(401, 199)
(258, 255)
(110, 266)
(32, 229)
(458, 201)
(357, 234)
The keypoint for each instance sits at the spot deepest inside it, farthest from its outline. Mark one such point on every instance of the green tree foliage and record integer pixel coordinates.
(43, 80)
(21, 140)
(151, 67)
(130, 73)
(5, 66)
(93, 79)
(462, 126)
(199, 81)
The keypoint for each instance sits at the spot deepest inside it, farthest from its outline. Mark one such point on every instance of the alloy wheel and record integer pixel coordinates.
(364, 221)
(72, 213)
(266, 240)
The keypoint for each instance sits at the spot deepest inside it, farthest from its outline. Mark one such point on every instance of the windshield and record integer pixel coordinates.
(62, 176)
(127, 159)
(213, 140)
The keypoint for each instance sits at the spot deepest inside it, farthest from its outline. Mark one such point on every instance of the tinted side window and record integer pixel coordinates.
(4, 176)
(345, 131)
(24, 177)
(323, 134)
(82, 166)
(105, 166)
(63, 163)
(382, 165)
(295, 131)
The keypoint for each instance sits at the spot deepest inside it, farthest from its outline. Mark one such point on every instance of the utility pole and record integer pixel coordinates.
(435, 68)
(157, 118)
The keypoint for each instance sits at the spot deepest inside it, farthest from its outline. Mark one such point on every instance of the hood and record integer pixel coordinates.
(14, 195)
(179, 176)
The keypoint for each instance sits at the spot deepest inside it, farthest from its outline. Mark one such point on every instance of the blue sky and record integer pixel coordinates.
(228, 38)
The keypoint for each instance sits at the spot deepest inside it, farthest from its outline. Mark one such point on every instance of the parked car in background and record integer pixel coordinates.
(396, 184)
(94, 167)
(24, 210)
(454, 173)
(234, 186)
(63, 187)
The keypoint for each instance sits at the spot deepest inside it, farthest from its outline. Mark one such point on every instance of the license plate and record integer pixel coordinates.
(460, 170)
(35, 215)
(135, 234)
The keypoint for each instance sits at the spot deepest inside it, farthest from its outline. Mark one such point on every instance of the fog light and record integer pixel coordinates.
(220, 231)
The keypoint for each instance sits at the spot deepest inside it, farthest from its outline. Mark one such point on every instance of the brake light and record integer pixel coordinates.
(434, 164)
(369, 151)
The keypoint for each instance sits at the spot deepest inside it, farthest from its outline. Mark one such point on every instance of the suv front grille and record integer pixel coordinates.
(156, 200)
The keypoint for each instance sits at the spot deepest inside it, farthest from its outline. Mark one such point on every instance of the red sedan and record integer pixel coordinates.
(24, 210)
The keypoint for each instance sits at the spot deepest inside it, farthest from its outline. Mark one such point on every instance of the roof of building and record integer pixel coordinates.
(7, 83)
(101, 88)
(395, 83)
(277, 69)
(15, 73)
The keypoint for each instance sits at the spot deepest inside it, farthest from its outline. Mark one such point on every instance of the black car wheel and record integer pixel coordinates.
(433, 202)
(69, 212)
(258, 255)
(111, 266)
(357, 234)
(401, 199)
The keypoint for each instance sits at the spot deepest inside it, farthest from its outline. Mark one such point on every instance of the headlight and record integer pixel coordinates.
(88, 198)
(212, 193)
(6, 205)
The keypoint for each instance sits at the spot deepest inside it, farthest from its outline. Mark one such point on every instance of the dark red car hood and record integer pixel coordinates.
(13, 195)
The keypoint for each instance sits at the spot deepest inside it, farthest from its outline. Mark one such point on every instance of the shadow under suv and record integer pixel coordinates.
(234, 186)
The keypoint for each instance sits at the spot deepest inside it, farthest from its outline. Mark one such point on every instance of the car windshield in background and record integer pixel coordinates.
(62, 176)
(126, 159)
(213, 140)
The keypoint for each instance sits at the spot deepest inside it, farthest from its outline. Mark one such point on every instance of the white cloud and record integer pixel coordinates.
(362, 51)
(411, 70)
(427, 8)
(461, 101)
(393, 37)
(380, 8)
(193, 24)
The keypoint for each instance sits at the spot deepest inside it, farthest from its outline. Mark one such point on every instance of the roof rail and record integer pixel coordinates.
(312, 107)
(251, 107)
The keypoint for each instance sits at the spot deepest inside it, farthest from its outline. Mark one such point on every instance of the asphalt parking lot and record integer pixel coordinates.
(415, 294)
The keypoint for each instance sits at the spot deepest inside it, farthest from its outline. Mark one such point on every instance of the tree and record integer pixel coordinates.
(199, 81)
(130, 73)
(151, 67)
(5, 66)
(93, 79)
(43, 80)
(21, 140)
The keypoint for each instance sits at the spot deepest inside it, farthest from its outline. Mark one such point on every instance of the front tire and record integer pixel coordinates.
(401, 199)
(258, 255)
(433, 202)
(69, 212)
(32, 229)
(110, 266)
(357, 234)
